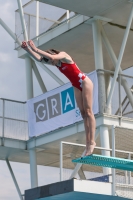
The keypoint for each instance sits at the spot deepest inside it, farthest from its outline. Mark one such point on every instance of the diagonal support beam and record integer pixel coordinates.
(22, 19)
(56, 78)
(39, 78)
(80, 172)
(26, 38)
(114, 61)
(14, 179)
(79, 165)
(120, 57)
(10, 32)
(29, 78)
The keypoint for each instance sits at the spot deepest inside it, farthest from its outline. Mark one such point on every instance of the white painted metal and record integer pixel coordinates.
(69, 131)
(39, 78)
(14, 179)
(104, 139)
(77, 168)
(33, 168)
(46, 69)
(28, 3)
(68, 14)
(126, 178)
(120, 56)
(57, 31)
(37, 18)
(10, 32)
(22, 20)
(3, 122)
(44, 18)
(114, 61)
(79, 165)
(93, 187)
(40, 64)
(29, 78)
(61, 161)
(113, 154)
(129, 173)
(97, 44)
(107, 89)
(87, 8)
(113, 150)
(120, 106)
(98, 54)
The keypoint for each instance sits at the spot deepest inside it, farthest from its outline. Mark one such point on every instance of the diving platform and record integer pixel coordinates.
(72, 189)
(104, 161)
(92, 33)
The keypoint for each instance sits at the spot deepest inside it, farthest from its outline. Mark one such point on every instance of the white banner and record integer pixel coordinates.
(57, 108)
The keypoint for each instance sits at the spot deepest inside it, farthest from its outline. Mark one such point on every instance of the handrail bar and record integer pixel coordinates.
(13, 100)
(112, 72)
(13, 119)
(100, 148)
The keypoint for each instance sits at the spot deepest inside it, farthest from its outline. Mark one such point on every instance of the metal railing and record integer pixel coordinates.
(74, 149)
(40, 18)
(13, 119)
(120, 104)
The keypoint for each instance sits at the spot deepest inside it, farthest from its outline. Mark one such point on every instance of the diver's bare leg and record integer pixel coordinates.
(87, 95)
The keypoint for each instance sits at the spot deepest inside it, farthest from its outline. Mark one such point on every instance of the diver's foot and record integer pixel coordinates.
(90, 148)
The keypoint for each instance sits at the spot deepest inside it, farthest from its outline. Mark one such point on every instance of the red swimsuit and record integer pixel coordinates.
(73, 73)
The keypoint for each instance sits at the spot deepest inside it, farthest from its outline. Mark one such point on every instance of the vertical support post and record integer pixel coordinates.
(29, 78)
(126, 181)
(98, 53)
(67, 14)
(104, 138)
(129, 172)
(113, 154)
(14, 179)
(32, 152)
(33, 168)
(3, 122)
(120, 56)
(29, 82)
(107, 89)
(114, 61)
(120, 107)
(37, 18)
(61, 161)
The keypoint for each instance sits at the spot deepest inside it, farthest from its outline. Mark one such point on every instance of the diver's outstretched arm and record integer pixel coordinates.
(52, 58)
(39, 51)
(43, 56)
(35, 55)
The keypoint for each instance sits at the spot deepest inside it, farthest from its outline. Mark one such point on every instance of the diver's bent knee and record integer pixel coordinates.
(88, 113)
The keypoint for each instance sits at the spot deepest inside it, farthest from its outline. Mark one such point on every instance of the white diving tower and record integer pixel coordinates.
(98, 35)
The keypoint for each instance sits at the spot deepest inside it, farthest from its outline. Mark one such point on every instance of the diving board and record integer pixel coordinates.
(104, 161)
